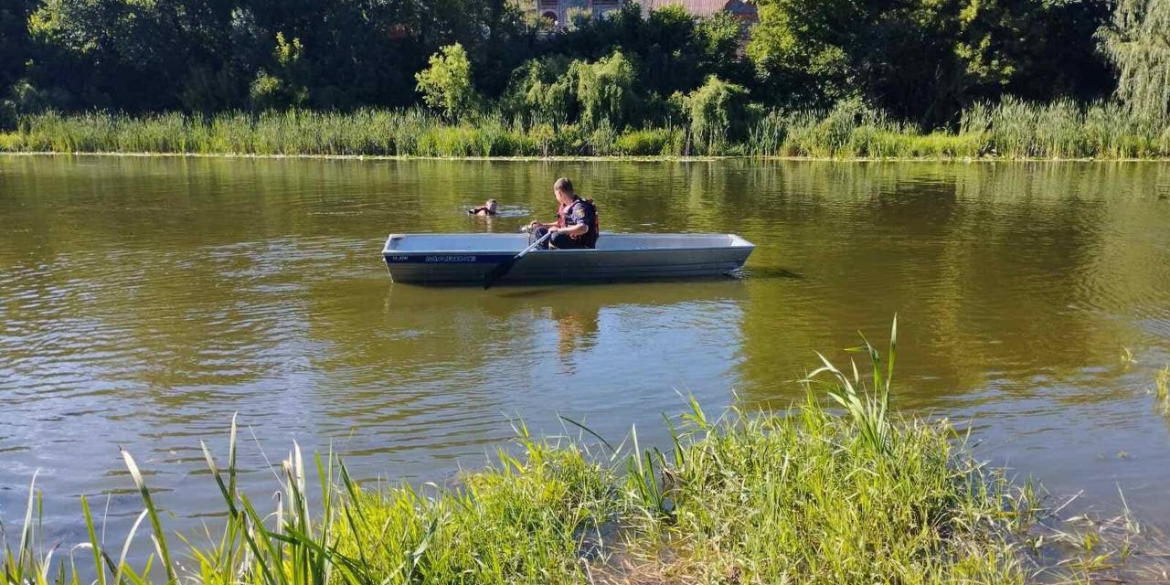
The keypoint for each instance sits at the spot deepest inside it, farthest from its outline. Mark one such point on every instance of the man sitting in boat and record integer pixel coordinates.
(576, 225)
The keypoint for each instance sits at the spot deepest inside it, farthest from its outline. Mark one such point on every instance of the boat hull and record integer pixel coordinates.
(466, 258)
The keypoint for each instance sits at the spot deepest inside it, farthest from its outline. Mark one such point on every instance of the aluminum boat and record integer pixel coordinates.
(466, 258)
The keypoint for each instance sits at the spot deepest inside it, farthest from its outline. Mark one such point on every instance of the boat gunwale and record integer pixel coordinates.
(741, 244)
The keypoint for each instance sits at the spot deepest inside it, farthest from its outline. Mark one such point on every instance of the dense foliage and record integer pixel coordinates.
(1138, 42)
(926, 59)
(922, 62)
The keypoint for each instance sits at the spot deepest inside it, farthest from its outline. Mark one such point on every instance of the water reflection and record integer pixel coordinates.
(144, 301)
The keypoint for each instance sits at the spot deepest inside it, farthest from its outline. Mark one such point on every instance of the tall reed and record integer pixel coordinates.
(1011, 129)
(1162, 390)
(1162, 384)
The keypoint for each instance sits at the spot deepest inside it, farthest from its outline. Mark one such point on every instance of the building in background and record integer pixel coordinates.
(740, 9)
(559, 12)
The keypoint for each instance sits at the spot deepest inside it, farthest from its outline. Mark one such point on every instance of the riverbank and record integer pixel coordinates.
(1008, 131)
(806, 496)
(576, 159)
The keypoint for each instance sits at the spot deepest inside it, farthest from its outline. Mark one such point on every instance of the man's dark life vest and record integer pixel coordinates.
(589, 238)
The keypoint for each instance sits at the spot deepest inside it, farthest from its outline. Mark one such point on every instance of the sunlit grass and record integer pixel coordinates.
(10, 142)
(1010, 129)
(1127, 358)
(1162, 390)
(810, 497)
(1162, 384)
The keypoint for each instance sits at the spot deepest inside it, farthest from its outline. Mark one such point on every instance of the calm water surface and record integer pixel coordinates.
(144, 301)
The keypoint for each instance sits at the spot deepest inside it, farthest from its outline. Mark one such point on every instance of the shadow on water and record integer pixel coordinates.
(652, 292)
(514, 290)
(769, 273)
(525, 293)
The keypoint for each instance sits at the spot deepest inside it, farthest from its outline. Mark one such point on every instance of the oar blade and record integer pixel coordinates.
(503, 267)
(498, 272)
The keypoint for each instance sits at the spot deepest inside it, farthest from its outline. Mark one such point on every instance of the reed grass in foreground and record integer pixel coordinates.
(1162, 390)
(1011, 129)
(806, 496)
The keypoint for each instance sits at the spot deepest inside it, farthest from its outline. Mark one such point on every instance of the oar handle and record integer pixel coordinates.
(533, 245)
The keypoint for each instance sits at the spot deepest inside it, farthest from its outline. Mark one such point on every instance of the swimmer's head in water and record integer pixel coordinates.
(489, 208)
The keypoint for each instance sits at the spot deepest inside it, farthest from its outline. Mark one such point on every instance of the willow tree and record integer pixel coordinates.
(542, 90)
(605, 89)
(1138, 44)
(717, 110)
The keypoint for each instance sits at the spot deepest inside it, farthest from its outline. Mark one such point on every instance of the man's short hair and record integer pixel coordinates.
(563, 184)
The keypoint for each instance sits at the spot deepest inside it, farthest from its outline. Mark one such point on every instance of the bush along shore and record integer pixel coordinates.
(812, 495)
(1011, 129)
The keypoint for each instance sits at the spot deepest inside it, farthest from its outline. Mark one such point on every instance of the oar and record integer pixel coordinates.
(503, 267)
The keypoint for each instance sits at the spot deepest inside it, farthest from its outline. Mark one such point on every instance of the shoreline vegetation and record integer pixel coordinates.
(956, 80)
(1009, 130)
(856, 495)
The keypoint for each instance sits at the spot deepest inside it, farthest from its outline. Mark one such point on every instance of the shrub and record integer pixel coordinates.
(605, 89)
(649, 142)
(717, 114)
(446, 84)
(543, 91)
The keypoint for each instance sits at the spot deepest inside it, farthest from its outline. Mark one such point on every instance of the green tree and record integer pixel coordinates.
(799, 49)
(124, 54)
(670, 49)
(605, 90)
(1137, 42)
(446, 83)
(289, 86)
(717, 112)
(13, 55)
(543, 90)
(925, 59)
(1036, 50)
(13, 41)
(207, 54)
(719, 37)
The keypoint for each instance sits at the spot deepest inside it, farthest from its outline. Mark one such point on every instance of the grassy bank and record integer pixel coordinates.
(806, 496)
(1010, 130)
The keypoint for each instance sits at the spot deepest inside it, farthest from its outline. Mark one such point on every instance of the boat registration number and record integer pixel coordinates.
(446, 258)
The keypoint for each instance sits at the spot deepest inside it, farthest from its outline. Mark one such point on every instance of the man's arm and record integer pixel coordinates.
(581, 220)
(575, 230)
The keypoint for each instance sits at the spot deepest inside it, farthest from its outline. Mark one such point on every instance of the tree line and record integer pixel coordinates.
(921, 61)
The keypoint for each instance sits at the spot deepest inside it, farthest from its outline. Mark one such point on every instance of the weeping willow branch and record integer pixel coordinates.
(1138, 44)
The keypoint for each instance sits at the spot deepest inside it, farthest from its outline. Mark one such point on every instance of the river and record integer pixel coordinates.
(144, 301)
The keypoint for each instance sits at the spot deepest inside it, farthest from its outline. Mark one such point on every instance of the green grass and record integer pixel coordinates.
(1162, 384)
(806, 498)
(1010, 129)
(812, 495)
(651, 142)
(9, 141)
(1162, 390)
